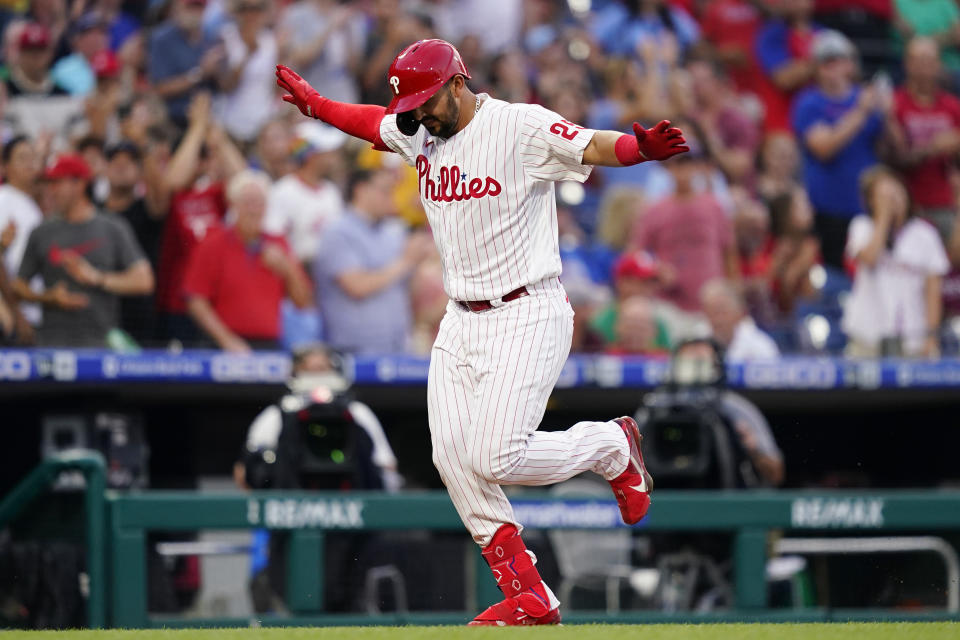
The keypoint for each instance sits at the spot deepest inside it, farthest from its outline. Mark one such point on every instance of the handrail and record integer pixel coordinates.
(91, 464)
(887, 544)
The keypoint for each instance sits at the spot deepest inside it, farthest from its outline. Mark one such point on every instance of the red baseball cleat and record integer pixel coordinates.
(632, 487)
(510, 612)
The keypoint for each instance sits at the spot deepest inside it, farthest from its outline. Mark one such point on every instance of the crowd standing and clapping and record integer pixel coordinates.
(157, 191)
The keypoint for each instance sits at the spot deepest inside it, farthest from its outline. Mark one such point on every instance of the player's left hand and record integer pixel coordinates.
(661, 142)
(301, 94)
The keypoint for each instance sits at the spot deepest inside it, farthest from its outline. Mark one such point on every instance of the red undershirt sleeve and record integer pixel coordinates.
(358, 120)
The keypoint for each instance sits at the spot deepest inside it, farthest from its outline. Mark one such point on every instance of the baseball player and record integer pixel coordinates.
(486, 171)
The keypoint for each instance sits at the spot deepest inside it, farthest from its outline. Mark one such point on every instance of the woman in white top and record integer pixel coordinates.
(248, 100)
(895, 306)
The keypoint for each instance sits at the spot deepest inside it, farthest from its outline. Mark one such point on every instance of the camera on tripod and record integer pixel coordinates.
(690, 439)
(320, 446)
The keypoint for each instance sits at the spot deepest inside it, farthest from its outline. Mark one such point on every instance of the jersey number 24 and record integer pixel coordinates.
(565, 129)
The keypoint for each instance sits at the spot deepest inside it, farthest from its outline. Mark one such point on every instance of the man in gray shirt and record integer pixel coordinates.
(86, 260)
(363, 268)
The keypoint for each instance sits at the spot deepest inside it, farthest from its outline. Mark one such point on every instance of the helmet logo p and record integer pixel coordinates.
(395, 82)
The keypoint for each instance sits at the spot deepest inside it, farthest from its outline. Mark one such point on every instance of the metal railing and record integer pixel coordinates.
(749, 515)
(896, 544)
(38, 482)
(117, 525)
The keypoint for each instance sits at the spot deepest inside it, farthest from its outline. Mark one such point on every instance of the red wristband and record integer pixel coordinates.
(627, 150)
(358, 120)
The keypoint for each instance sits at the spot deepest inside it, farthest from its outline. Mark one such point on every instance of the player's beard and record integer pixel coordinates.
(448, 127)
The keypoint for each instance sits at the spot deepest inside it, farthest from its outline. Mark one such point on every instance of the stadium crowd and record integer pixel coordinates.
(157, 192)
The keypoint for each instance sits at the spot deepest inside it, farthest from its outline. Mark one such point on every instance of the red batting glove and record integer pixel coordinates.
(301, 94)
(660, 142)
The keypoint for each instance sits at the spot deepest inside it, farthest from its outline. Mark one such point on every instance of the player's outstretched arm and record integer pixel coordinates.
(615, 149)
(358, 120)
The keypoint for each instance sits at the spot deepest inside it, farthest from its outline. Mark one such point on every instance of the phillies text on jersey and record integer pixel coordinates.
(489, 196)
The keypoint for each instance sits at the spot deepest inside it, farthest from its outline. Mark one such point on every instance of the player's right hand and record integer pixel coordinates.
(301, 94)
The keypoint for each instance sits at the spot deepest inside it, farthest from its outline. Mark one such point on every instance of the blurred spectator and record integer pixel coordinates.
(183, 59)
(271, 154)
(55, 17)
(779, 162)
(429, 304)
(136, 117)
(637, 329)
(28, 73)
(509, 77)
(91, 149)
(794, 250)
(87, 260)
(120, 25)
(363, 268)
(730, 137)
(690, 232)
(622, 27)
(324, 40)
(951, 287)
(390, 31)
(38, 106)
(14, 327)
(839, 124)
(239, 275)
(100, 116)
(731, 27)
(938, 19)
(783, 49)
(586, 269)
(926, 136)
(494, 25)
(249, 83)
(751, 232)
(637, 274)
(157, 149)
(895, 307)
(304, 202)
(88, 37)
(732, 326)
(19, 213)
(124, 173)
(619, 211)
(193, 181)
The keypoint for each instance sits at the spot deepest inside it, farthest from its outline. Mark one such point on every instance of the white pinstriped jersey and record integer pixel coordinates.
(488, 194)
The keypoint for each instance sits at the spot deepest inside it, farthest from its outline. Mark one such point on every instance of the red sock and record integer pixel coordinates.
(514, 571)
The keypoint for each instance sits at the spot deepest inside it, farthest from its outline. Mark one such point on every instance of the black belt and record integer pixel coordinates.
(486, 305)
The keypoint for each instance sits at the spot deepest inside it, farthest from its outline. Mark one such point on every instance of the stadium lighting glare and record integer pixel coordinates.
(579, 6)
(571, 193)
(955, 327)
(818, 328)
(818, 276)
(579, 49)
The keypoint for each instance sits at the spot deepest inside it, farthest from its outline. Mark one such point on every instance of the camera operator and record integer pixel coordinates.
(700, 434)
(315, 437)
(315, 366)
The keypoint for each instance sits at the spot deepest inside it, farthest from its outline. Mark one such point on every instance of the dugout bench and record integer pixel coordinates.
(117, 524)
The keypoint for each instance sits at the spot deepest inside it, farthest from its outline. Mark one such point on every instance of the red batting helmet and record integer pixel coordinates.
(420, 70)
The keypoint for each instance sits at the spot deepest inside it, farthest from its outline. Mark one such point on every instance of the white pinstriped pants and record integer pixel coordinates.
(491, 374)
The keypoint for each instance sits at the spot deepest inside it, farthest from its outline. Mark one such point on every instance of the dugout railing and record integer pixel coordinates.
(118, 524)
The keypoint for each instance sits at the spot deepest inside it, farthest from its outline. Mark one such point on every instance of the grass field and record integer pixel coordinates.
(850, 631)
